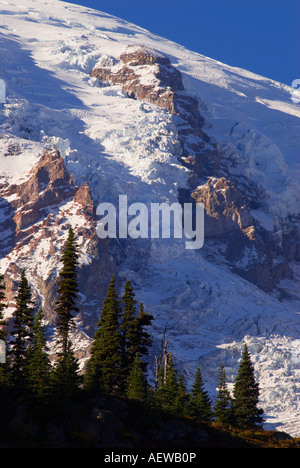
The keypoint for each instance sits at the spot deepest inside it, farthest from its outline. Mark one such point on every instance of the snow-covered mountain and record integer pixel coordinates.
(97, 107)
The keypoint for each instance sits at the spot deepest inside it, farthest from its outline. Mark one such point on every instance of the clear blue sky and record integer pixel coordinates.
(261, 36)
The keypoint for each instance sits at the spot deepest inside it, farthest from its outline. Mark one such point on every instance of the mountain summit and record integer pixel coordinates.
(96, 108)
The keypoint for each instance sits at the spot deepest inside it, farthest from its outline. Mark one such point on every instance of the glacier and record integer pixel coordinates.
(120, 145)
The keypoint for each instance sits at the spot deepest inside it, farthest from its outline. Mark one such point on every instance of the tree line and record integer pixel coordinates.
(118, 357)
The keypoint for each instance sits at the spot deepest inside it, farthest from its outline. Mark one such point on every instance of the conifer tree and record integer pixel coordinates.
(135, 337)
(104, 371)
(170, 388)
(182, 396)
(246, 395)
(137, 385)
(2, 307)
(166, 393)
(223, 406)
(22, 330)
(143, 338)
(92, 378)
(128, 328)
(38, 363)
(67, 290)
(65, 378)
(199, 406)
(4, 375)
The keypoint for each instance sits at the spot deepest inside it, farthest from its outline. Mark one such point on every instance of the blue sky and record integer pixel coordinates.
(261, 36)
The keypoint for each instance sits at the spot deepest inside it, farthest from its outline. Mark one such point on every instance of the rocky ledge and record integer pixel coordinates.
(147, 75)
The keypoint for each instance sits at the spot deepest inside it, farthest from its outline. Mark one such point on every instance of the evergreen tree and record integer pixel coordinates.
(199, 406)
(246, 395)
(67, 290)
(104, 371)
(21, 330)
(38, 363)
(128, 328)
(2, 307)
(167, 388)
(223, 406)
(65, 378)
(182, 396)
(135, 338)
(92, 378)
(170, 388)
(137, 385)
(143, 338)
(4, 365)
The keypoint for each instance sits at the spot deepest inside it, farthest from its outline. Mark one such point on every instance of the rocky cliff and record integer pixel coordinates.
(38, 213)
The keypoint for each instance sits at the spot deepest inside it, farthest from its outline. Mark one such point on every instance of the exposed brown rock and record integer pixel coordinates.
(49, 183)
(164, 80)
(40, 211)
(140, 55)
(224, 206)
(149, 76)
(250, 250)
(83, 196)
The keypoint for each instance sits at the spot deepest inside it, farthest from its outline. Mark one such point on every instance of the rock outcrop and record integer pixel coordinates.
(49, 184)
(225, 206)
(38, 214)
(250, 250)
(149, 76)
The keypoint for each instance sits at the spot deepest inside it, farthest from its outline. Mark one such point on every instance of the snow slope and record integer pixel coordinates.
(119, 145)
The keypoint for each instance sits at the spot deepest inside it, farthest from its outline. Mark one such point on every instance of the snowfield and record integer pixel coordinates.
(122, 146)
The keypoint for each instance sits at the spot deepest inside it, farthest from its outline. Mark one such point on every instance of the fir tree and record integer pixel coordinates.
(128, 328)
(143, 338)
(2, 307)
(246, 395)
(4, 374)
(137, 385)
(65, 378)
(182, 396)
(104, 371)
(21, 330)
(38, 363)
(166, 392)
(170, 388)
(223, 406)
(92, 378)
(199, 406)
(135, 339)
(67, 290)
